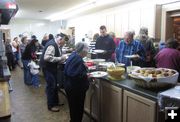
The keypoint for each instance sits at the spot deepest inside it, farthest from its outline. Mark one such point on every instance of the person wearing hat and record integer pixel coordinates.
(50, 59)
(33, 37)
(76, 81)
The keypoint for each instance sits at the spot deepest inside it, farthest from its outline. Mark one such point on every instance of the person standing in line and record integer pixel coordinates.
(24, 42)
(76, 81)
(45, 40)
(50, 59)
(169, 57)
(9, 54)
(129, 46)
(116, 41)
(148, 45)
(15, 48)
(28, 55)
(34, 70)
(105, 42)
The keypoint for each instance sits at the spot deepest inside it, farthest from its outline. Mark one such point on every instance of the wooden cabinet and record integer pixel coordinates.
(111, 103)
(110, 22)
(93, 92)
(137, 108)
(4, 100)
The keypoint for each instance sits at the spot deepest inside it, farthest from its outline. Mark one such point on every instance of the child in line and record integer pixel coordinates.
(34, 69)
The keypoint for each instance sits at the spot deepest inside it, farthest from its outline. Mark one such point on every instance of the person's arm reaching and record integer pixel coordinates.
(50, 55)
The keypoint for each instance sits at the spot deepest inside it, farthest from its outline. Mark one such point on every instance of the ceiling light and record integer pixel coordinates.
(79, 9)
(166, 1)
(40, 24)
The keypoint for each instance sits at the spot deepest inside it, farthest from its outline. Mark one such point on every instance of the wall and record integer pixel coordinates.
(119, 20)
(33, 27)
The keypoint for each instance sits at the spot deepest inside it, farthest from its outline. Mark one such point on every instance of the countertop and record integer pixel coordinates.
(6, 74)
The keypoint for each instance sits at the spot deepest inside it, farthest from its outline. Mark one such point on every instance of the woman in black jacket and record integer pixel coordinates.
(27, 56)
(76, 81)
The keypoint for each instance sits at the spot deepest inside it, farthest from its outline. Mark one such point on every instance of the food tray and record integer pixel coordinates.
(153, 84)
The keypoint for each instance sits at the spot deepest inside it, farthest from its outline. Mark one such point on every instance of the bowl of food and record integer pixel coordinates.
(155, 77)
(115, 72)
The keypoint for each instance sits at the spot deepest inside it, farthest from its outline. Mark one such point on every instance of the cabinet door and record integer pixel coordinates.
(137, 108)
(148, 19)
(134, 20)
(118, 25)
(95, 101)
(4, 100)
(111, 103)
(110, 23)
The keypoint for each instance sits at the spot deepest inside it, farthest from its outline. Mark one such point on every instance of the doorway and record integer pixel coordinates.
(176, 28)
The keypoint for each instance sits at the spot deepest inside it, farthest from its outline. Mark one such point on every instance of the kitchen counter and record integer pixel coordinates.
(117, 97)
(130, 85)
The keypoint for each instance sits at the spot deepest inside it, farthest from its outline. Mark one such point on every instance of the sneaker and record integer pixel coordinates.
(60, 104)
(53, 109)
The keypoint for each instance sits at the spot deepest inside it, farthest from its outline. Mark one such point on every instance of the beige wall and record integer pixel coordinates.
(120, 19)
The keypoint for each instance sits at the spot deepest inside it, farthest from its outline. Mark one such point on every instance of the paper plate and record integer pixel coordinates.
(39, 53)
(130, 56)
(98, 74)
(99, 51)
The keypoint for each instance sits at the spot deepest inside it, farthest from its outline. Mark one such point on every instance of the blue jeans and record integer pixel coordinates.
(16, 56)
(27, 74)
(51, 88)
(35, 80)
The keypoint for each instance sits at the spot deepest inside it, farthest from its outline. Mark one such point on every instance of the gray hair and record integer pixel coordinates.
(112, 34)
(81, 47)
(130, 33)
(143, 30)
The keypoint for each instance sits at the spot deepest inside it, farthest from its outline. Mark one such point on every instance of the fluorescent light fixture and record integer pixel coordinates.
(80, 8)
(165, 1)
(40, 24)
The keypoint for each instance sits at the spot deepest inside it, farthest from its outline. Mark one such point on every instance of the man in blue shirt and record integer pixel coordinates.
(129, 46)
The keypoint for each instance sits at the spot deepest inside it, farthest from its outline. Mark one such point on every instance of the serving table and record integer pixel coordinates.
(122, 101)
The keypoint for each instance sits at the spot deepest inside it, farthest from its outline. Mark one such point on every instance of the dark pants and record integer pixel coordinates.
(76, 104)
(60, 76)
(16, 57)
(51, 88)
(10, 61)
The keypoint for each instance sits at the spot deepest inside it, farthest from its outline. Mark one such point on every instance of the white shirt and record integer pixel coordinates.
(34, 68)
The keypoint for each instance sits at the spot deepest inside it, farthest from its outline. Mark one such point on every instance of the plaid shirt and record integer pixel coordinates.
(135, 47)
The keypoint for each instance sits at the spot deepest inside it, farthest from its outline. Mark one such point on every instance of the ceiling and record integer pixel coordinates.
(31, 8)
(42, 9)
